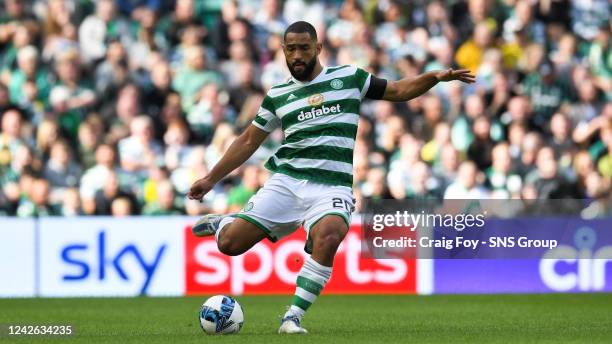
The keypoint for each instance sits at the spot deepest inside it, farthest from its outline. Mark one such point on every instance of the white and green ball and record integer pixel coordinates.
(221, 314)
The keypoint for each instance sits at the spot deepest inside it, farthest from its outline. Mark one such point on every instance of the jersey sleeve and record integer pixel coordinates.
(370, 86)
(266, 118)
(363, 81)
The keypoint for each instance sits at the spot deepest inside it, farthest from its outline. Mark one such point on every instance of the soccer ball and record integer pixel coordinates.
(221, 314)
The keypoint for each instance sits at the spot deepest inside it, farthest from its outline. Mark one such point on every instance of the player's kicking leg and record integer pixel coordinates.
(234, 235)
(326, 234)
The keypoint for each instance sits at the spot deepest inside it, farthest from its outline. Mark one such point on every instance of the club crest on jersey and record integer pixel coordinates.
(315, 99)
(336, 84)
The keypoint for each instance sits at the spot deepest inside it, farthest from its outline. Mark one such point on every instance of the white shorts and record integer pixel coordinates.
(285, 203)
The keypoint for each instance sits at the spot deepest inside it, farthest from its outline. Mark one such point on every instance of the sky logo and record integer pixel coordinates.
(106, 262)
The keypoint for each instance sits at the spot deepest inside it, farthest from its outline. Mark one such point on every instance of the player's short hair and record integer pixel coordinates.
(301, 27)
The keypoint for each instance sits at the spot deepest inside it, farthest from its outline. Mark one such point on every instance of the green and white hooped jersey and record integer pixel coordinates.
(319, 119)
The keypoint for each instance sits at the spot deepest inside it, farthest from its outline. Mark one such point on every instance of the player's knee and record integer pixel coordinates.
(228, 246)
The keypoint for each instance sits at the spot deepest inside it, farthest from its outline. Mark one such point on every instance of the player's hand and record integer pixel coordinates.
(200, 188)
(456, 74)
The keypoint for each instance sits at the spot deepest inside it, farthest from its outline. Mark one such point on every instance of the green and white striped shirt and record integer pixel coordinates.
(319, 119)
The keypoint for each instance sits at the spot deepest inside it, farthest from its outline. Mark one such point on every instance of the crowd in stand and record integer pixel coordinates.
(116, 107)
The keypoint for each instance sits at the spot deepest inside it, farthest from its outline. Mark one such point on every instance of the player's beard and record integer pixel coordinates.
(306, 71)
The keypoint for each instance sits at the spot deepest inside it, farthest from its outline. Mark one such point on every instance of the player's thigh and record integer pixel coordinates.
(274, 209)
(329, 213)
(239, 236)
(329, 230)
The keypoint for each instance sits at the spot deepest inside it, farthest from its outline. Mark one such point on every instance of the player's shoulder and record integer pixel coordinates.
(281, 88)
(288, 82)
(343, 71)
(334, 69)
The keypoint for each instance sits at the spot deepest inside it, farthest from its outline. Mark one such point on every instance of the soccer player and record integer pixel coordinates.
(318, 111)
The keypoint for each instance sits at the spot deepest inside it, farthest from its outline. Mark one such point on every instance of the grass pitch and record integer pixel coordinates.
(568, 318)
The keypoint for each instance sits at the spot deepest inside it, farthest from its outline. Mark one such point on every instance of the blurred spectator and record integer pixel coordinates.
(600, 60)
(239, 195)
(438, 21)
(523, 19)
(88, 142)
(36, 201)
(470, 54)
(183, 16)
(467, 14)
(246, 88)
(118, 116)
(560, 141)
(165, 203)
(432, 115)
(598, 192)
(176, 140)
(461, 131)
(121, 207)
(61, 170)
(23, 163)
(211, 109)
(146, 39)
(545, 92)
(446, 170)
(239, 56)
(588, 16)
(192, 76)
(5, 102)
(498, 97)
(71, 97)
(500, 179)
(516, 134)
(109, 193)
(519, 111)
(401, 167)
(268, 20)
(466, 186)
(565, 54)
(139, 151)
(481, 148)
(99, 28)
(60, 28)
(223, 137)
(113, 71)
(431, 150)
(588, 105)
(160, 88)
(18, 35)
(530, 146)
(583, 166)
(94, 178)
(375, 187)
(183, 177)
(157, 175)
(58, 20)
(422, 185)
(604, 162)
(47, 133)
(546, 180)
(29, 71)
(10, 137)
(71, 203)
(15, 12)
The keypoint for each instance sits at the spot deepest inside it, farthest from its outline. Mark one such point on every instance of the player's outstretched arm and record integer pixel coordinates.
(406, 89)
(238, 152)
